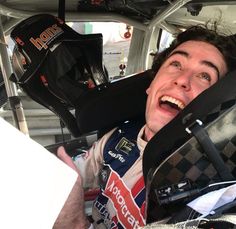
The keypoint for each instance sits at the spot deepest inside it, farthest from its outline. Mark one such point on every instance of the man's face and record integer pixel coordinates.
(190, 69)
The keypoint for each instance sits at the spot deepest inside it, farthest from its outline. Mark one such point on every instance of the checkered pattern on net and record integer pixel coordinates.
(192, 163)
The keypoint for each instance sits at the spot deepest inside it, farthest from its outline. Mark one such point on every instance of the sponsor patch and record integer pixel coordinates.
(124, 145)
(128, 212)
(117, 156)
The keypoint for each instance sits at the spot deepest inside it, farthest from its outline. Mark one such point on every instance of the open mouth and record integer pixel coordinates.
(171, 104)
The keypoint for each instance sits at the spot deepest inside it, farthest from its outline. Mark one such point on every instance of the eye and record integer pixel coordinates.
(204, 76)
(176, 64)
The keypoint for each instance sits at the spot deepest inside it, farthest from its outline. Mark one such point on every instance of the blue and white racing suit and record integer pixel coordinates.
(114, 163)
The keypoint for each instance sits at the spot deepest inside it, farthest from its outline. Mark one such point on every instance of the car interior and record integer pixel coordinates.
(88, 99)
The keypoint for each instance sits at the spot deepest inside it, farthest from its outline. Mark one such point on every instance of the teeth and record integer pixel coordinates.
(173, 100)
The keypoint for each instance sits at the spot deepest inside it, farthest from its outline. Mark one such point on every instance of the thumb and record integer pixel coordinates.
(61, 154)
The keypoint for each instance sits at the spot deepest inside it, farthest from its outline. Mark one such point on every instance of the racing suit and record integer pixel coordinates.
(114, 163)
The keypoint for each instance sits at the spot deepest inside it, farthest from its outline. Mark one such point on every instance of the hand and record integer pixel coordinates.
(61, 154)
(72, 214)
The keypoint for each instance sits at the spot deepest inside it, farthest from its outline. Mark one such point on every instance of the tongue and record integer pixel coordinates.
(172, 108)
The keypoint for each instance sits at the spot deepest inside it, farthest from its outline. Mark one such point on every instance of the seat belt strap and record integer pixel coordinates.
(198, 131)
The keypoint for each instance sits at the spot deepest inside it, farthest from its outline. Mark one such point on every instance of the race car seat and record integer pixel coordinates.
(63, 70)
(193, 155)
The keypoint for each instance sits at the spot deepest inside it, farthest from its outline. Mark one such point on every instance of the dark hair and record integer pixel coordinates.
(225, 44)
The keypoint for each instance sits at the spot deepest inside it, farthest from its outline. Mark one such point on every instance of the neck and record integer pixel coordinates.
(148, 134)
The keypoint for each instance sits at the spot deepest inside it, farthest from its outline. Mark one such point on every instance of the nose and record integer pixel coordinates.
(183, 80)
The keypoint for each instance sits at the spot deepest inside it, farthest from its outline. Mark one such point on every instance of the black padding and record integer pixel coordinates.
(39, 93)
(3, 93)
(40, 34)
(120, 101)
(55, 65)
(174, 135)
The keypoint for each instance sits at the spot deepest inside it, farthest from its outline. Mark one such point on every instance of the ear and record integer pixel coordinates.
(148, 91)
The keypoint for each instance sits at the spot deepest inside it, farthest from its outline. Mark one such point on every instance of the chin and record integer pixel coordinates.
(159, 126)
(155, 126)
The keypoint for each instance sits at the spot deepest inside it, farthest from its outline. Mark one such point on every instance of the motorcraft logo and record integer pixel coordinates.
(46, 37)
(128, 212)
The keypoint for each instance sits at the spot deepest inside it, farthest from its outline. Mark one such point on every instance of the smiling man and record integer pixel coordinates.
(191, 68)
(196, 59)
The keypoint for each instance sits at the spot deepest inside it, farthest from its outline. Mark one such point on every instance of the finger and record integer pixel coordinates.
(61, 153)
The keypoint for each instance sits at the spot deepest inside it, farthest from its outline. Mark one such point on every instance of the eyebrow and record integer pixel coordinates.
(205, 62)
